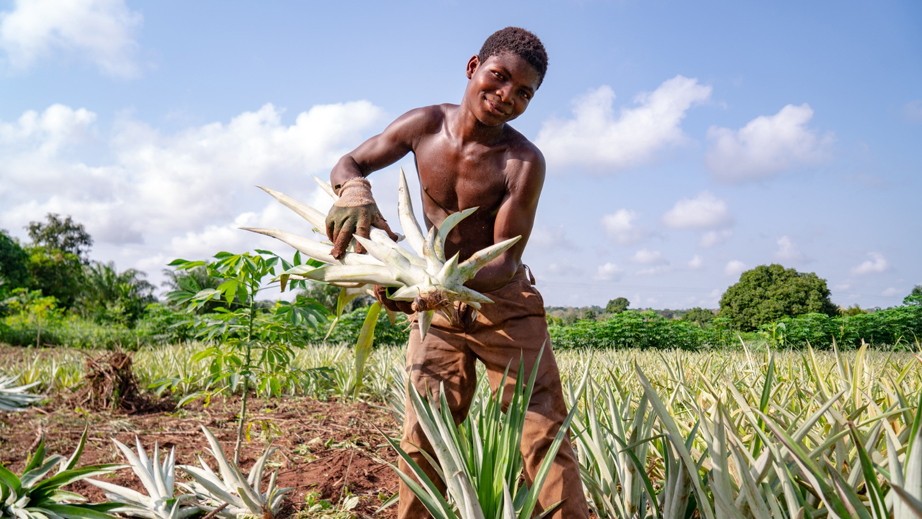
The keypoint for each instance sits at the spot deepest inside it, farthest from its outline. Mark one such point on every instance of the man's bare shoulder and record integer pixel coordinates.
(421, 122)
(526, 156)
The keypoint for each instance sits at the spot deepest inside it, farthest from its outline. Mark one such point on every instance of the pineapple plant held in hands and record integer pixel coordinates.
(422, 275)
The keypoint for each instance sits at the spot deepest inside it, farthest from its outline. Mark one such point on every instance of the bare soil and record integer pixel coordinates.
(325, 450)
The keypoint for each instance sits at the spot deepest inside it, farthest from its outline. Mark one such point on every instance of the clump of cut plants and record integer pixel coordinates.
(110, 384)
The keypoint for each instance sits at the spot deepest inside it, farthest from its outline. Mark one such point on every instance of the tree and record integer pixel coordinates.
(699, 316)
(56, 273)
(618, 305)
(14, 265)
(852, 311)
(770, 292)
(914, 297)
(64, 235)
(112, 296)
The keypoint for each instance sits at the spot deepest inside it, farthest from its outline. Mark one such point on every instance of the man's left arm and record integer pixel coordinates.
(515, 217)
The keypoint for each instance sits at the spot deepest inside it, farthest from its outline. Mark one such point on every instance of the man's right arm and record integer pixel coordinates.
(358, 214)
(386, 148)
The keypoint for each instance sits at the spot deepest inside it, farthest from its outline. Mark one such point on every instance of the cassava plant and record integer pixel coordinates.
(247, 352)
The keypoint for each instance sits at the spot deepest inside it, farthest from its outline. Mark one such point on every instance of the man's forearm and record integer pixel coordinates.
(346, 169)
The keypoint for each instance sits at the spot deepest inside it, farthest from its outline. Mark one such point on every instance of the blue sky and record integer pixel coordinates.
(686, 142)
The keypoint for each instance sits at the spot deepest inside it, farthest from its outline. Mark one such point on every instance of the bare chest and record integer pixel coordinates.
(453, 179)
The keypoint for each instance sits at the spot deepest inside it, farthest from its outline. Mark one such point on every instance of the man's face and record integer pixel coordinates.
(500, 88)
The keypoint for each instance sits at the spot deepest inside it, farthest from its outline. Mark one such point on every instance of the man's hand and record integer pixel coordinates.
(394, 306)
(354, 213)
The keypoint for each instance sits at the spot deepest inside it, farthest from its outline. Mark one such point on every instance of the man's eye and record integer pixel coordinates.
(525, 95)
(498, 75)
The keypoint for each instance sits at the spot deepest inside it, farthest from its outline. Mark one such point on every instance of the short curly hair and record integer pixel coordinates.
(518, 41)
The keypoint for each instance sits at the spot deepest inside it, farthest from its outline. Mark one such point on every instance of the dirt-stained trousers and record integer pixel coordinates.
(513, 327)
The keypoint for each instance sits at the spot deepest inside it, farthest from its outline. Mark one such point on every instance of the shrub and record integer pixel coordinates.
(898, 325)
(629, 330)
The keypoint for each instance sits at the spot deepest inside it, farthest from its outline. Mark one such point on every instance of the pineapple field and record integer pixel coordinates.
(233, 406)
(662, 434)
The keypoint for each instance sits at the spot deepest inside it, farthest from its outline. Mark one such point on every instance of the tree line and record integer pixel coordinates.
(56, 264)
(764, 295)
(53, 277)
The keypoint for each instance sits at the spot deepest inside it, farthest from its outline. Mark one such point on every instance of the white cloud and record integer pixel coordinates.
(734, 268)
(570, 271)
(712, 300)
(766, 146)
(656, 263)
(180, 194)
(877, 263)
(655, 270)
(550, 238)
(696, 262)
(890, 292)
(788, 251)
(705, 211)
(712, 238)
(98, 31)
(609, 272)
(620, 227)
(204, 242)
(912, 111)
(596, 137)
(649, 257)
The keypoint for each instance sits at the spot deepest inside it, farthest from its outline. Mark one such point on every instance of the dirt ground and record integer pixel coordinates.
(325, 450)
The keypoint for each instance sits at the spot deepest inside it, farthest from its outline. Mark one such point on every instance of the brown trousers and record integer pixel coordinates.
(513, 327)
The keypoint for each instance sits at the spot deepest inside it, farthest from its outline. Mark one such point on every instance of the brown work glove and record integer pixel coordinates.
(394, 306)
(354, 213)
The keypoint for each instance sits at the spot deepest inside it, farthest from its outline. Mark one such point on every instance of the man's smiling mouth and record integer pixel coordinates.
(495, 107)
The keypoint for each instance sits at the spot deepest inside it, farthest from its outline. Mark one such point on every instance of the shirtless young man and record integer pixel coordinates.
(467, 155)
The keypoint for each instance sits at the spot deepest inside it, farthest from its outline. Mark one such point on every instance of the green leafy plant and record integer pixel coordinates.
(422, 275)
(630, 329)
(247, 353)
(30, 308)
(14, 265)
(110, 296)
(33, 496)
